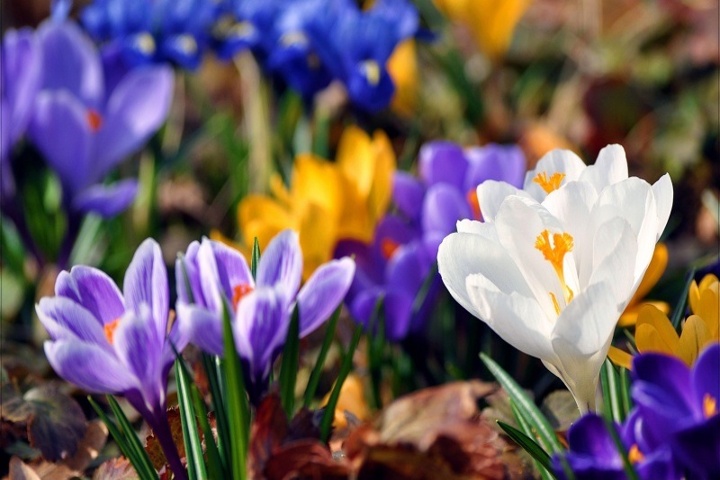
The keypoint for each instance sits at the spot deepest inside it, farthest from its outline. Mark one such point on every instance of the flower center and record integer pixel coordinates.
(635, 455)
(709, 406)
(474, 203)
(549, 184)
(388, 247)
(554, 251)
(145, 43)
(94, 120)
(110, 330)
(371, 69)
(239, 291)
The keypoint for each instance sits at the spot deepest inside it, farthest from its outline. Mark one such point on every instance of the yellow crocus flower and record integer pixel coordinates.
(654, 331)
(326, 201)
(403, 69)
(491, 22)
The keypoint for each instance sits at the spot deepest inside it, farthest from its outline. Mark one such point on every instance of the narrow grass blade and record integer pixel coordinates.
(345, 367)
(140, 467)
(131, 437)
(612, 404)
(236, 402)
(376, 350)
(537, 421)
(324, 349)
(191, 436)
(215, 379)
(289, 365)
(543, 465)
(255, 258)
(627, 403)
(529, 445)
(680, 305)
(214, 462)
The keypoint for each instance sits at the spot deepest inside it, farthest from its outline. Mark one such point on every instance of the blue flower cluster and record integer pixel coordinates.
(304, 44)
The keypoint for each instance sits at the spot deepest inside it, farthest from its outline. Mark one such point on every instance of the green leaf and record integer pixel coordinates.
(238, 409)
(289, 365)
(255, 259)
(314, 379)
(131, 437)
(538, 423)
(528, 444)
(144, 469)
(612, 402)
(376, 351)
(679, 311)
(215, 463)
(191, 436)
(215, 374)
(543, 467)
(345, 367)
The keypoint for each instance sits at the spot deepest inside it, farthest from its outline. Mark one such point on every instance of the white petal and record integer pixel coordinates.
(517, 318)
(663, 192)
(614, 252)
(609, 168)
(555, 161)
(491, 194)
(483, 229)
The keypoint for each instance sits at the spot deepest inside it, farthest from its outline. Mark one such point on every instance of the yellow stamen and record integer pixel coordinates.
(549, 184)
(145, 43)
(110, 330)
(554, 252)
(472, 199)
(371, 69)
(187, 44)
(239, 291)
(635, 455)
(709, 406)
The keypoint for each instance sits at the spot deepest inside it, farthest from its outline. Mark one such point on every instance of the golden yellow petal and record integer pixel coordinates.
(493, 22)
(629, 316)
(356, 222)
(356, 160)
(280, 191)
(316, 181)
(402, 67)
(385, 165)
(705, 302)
(620, 357)
(352, 399)
(318, 235)
(654, 332)
(693, 338)
(657, 267)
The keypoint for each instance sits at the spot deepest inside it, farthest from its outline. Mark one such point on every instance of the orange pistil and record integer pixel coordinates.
(472, 199)
(94, 120)
(635, 455)
(110, 328)
(554, 252)
(549, 184)
(388, 247)
(239, 291)
(709, 406)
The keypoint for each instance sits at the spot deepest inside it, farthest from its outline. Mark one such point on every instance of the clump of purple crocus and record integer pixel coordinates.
(106, 341)
(673, 432)
(401, 258)
(212, 277)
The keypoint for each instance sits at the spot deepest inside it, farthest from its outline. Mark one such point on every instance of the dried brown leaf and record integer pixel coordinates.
(152, 444)
(116, 469)
(89, 447)
(40, 470)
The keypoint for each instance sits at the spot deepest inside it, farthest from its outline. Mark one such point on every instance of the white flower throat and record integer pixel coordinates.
(554, 249)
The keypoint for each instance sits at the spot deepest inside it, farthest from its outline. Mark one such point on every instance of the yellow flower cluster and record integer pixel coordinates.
(654, 331)
(325, 202)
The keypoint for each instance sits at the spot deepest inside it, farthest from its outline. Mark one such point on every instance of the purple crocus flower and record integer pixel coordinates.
(83, 129)
(680, 407)
(404, 250)
(20, 74)
(106, 341)
(213, 276)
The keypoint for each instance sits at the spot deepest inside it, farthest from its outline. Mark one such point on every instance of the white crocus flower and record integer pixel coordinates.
(552, 278)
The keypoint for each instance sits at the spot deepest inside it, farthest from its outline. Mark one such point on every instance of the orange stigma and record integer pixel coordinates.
(110, 328)
(239, 291)
(554, 252)
(549, 184)
(709, 406)
(94, 120)
(388, 247)
(472, 199)
(635, 455)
